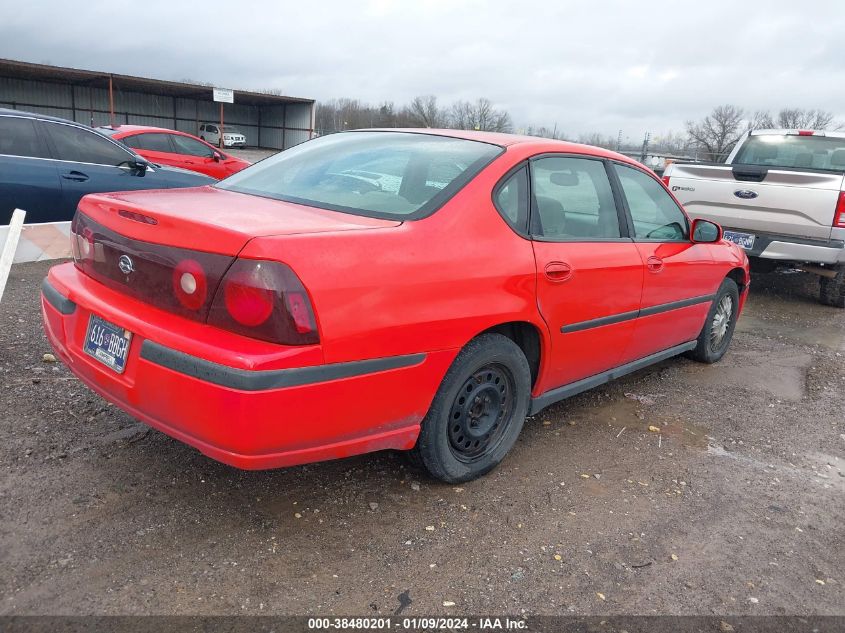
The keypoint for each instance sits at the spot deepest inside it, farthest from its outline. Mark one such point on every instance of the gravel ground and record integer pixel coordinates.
(735, 507)
(252, 154)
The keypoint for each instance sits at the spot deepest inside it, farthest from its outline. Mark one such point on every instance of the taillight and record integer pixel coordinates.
(839, 214)
(665, 180)
(81, 241)
(805, 132)
(265, 300)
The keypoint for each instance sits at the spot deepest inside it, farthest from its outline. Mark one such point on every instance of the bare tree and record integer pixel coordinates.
(480, 115)
(426, 113)
(545, 132)
(598, 140)
(800, 119)
(718, 132)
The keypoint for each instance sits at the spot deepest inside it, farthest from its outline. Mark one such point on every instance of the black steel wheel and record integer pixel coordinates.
(478, 411)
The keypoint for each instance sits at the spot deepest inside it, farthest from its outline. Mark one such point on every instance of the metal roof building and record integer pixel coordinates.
(100, 98)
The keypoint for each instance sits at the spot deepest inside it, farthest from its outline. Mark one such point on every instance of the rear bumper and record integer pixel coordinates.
(797, 249)
(252, 412)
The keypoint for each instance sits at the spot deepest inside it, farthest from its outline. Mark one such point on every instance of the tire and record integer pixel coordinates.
(477, 412)
(832, 289)
(718, 330)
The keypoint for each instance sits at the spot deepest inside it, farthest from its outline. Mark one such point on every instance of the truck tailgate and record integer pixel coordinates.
(785, 201)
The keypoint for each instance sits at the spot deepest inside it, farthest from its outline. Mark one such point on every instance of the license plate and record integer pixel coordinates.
(746, 240)
(108, 343)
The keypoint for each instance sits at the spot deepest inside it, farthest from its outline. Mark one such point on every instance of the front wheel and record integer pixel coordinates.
(477, 412)
(718, 330)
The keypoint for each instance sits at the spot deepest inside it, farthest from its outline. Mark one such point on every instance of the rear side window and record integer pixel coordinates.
(81, 146)
(790, 150)
(512, 201)
(18, 138)
(395, 175)
(572, 199)
(190, 147)
(655, 214)
(150, 142)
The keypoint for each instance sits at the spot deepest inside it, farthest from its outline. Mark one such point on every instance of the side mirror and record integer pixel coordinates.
(705, 231)
(217, 156)
(139, 166)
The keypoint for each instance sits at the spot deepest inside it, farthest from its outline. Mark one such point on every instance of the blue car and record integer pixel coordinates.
(47, 164)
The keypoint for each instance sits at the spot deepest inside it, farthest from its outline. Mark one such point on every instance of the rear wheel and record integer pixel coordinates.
(718, 330)
(832, 289)
(478, 410)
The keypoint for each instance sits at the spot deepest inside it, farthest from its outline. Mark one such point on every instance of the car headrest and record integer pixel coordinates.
(804, 159)
(564, 178)
(837, 159)
(765, 151)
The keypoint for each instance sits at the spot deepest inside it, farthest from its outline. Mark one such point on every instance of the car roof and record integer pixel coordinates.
(34, 115)
(123, 130)
(509, 140)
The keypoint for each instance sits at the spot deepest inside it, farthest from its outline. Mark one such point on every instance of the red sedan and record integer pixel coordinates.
(387, 289)
(177, 149)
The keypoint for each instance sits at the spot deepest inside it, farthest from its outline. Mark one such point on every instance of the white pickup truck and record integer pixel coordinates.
(780, 196)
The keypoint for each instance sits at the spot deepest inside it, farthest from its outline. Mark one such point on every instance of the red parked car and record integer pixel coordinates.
(177, 149)
(387, 289)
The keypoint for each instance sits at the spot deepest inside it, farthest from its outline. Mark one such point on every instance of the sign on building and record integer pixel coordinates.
(224, 95)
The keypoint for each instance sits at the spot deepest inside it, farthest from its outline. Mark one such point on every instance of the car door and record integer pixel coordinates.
(28, 178)
(155, 147)
(680, 276)
(90, 163)
(589, 272)
(197, 156)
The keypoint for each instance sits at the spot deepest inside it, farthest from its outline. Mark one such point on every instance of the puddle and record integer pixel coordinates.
(784, 377)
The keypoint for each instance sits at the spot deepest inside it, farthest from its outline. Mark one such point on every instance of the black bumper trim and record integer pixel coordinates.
(56, 299)
(262, 380)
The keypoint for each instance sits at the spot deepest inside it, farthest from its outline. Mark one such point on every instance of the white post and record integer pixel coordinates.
(8, 253)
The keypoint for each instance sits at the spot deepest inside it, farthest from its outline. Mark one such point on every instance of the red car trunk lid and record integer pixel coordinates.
(213, 220)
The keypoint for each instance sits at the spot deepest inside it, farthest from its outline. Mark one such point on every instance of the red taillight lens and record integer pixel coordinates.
(247, 300)
(805, 132)
(264, 300)
(665, 180)
(839, 214)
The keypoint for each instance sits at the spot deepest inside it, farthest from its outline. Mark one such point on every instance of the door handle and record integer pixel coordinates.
(76, 176)
(558, 271)
(654, 264)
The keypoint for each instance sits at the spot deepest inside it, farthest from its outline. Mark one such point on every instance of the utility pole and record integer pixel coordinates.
(645, 147)
(619, 141)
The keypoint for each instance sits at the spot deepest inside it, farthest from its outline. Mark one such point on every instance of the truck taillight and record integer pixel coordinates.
(665, 180)
(839, 214)
(265, 300)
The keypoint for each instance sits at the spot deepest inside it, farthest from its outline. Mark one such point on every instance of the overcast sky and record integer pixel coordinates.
(583, 66)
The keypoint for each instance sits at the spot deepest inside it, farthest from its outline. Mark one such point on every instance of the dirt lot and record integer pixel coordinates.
(736, 506)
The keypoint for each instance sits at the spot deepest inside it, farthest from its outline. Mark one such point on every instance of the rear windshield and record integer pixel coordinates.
(800, 152)
(394, 175)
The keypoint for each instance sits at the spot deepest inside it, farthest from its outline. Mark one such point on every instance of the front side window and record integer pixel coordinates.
(396, 175)
(572, 199)
(190, 147)
(655, 214)
(18, 138)
(82, 146)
